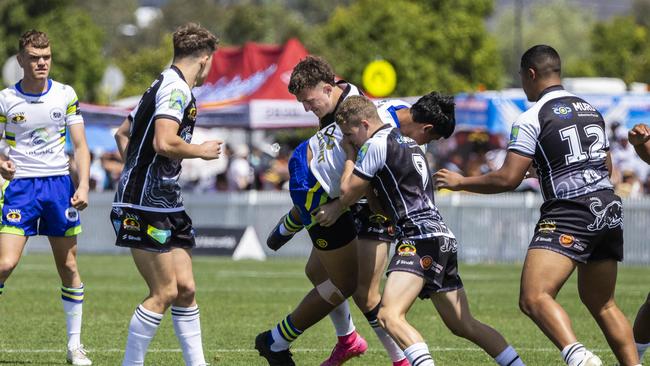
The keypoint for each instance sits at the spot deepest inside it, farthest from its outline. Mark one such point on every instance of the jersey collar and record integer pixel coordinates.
(550, 89)
(328, 119)
(178, 71)
(20, 89)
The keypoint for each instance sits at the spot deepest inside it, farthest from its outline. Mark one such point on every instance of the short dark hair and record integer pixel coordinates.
(33, 38)
(438, 110)
(192, 39)
(354, 109)
(543, 59)
(309, 72)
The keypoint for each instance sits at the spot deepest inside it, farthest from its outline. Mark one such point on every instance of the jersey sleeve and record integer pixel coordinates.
(370, 159)
(72, 113)
(171, 101)
(523, 136)
(3, 115)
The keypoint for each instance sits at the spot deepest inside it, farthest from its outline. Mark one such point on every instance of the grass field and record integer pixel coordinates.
(240, 299)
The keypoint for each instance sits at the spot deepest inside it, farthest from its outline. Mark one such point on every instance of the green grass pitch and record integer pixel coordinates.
(240, 299)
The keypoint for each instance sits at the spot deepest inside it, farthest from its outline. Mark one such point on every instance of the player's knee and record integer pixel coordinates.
(528, 303)
(387, 318)
(330, 293)
(7, 265)
(365, 299)
(186, 292)
(166, 295)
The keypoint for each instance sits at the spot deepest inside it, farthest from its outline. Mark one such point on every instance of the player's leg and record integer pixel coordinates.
(596, 285)
(157, 269)
(349, 342)
(11, 248)
(18, 220)
(642, 328)
(336, 251)
(185, 311)
(372, 266)
(64, 250)
(288, 225)
(543, 275)
(400, 291)
(453, 308)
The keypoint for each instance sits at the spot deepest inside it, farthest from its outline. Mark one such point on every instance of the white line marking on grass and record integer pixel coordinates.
(248, 350)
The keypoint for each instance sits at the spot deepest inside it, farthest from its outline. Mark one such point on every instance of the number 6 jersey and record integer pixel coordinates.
(565, 137)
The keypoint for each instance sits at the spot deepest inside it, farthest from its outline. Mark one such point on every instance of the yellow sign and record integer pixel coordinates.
(379, 78)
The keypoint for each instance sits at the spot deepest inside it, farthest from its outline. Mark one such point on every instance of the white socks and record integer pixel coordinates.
(72, 299)
(509, 357)
(142, 328)
(418, 355)
(342, 319)
(187, 327)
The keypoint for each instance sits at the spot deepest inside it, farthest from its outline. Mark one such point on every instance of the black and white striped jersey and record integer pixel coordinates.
(149, 181)
(398, 171)
(565, 136)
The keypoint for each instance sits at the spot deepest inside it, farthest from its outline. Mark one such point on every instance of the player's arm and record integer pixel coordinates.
(506, 178)
(639, 137)
(122, 136)
(166, 142)
(82, 158)
(352, 189)
(7, 167)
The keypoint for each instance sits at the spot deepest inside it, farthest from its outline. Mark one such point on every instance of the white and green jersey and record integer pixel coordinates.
(34, 127)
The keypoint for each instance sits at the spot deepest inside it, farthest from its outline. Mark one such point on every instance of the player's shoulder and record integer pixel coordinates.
(391, 103)
(173, 81)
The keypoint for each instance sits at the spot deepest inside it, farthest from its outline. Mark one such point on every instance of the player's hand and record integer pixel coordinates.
(327, 214)
(444, 178)
(639, 134)
(7, 169)
(80, 199)
(211, 150)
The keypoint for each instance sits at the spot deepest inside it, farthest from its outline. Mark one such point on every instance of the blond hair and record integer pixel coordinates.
(356, 108)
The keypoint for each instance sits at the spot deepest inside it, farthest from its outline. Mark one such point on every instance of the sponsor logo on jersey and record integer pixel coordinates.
(56, 114)
(39, 136)
(562, 110)
(177, 99)
(131, 223)
(426, 262)
(192, 114)
(514, 133)
(583, 106)
(159, 235)
(546, 226)
(131, 237)
(14, 215)
(566, 240)
(403, 262)
(611, 215)
(543, 239)
(362, 153)
(18, 118)
(72, 214)
(118, 211)
(406, 249)
(321, 243)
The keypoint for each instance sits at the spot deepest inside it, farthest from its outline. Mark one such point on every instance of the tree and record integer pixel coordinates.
(438, 45)
(620, 49)
(76, 41)
(142, 67)
(557, 23)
